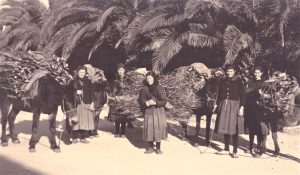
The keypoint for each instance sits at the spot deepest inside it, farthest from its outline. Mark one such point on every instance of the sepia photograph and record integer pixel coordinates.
(150, 87)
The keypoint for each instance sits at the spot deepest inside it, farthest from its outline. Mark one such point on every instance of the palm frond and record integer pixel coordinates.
(234, 41)
(97, 44)
(165, 53)
(20, 34)
(246, 7)
(72, 16)
(105, 16)
(199, 40)
(154, 45)
(88, 31)
(194, 6)
(60, 38)
(196, 27)
(162, 21)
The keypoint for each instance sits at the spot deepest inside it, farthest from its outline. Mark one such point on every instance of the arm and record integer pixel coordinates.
(162, 100)
(143, 97)
(242, 93)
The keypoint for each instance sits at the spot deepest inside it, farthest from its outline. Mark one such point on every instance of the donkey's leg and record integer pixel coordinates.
(11, 121)
(96, 123)
(5, 109)
(35, 126)
(207, 132)
(52, 125)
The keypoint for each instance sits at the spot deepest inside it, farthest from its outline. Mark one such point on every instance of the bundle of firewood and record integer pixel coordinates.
(278, 93)
(127, 103)
(17, 69)
(181, 88)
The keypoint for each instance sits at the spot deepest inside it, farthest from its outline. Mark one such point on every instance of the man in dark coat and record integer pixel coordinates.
(116, 86)
(254, 113)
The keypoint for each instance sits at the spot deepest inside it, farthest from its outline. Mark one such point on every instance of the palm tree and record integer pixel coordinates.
(165, 30)
(24, 20)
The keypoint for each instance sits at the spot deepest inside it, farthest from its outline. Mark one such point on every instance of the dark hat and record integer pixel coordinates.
(120, 65)
(258, 67)
(230, 66)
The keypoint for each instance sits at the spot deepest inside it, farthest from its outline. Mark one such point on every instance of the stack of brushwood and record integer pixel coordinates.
(96, 75)
(278, 94)
(181, 86)
(127, 103)
(17, 69)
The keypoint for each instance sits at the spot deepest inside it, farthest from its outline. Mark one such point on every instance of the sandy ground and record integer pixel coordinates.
(109, 155)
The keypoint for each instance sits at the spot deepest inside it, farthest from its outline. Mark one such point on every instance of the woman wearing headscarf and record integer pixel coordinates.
(230, 105)
(84, 102)
(153, 98)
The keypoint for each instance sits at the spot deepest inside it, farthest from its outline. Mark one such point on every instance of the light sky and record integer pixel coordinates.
(45, 2)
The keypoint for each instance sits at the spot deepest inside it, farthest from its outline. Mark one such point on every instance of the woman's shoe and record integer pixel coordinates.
(158, 151)
(223, 152)
(74, 141)
(234, 155)
(84, 141)
(149, 150)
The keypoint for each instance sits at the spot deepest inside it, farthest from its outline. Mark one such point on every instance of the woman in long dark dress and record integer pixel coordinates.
(230, 104)
(254, 113)
(153, 98)
(85, 106)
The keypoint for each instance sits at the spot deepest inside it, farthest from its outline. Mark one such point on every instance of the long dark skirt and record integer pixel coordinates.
(85, 118)
(252, 122)
(155, 125)
(228, 121)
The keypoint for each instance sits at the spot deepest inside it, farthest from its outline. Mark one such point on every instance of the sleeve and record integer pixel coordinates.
(92, 89)
(242, 93)
(77, 85)
(142, 97)
(162, 100)
(218, 99)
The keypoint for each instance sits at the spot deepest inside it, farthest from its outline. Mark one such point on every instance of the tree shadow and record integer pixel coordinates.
(135, 135)
(10, 167)
(25, 127)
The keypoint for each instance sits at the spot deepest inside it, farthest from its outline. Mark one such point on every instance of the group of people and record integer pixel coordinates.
(237, 110)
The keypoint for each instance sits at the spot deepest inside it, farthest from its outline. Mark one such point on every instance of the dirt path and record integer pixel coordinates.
(109, 155)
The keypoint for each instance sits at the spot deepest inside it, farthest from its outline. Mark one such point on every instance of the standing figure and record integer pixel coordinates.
(84, 103)
(153, 98)
(273, 117)
(230, 104)
(255, 123)
(118, 114)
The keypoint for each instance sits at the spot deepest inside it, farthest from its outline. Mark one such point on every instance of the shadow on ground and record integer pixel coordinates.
(10, 167)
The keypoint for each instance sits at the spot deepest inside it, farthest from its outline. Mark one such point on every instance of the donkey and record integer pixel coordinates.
(49, 96)
(208, 95)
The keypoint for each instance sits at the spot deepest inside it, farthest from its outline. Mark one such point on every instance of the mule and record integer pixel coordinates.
(208, 95)
(49, 96)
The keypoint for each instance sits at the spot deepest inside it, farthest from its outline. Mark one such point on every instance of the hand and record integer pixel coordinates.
(92, 108)
(79, 92)
(214, 109)
(152, 102)
(241, 111)
(119, 98)
(147, 103)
